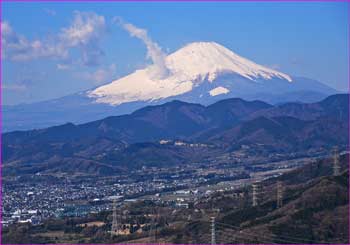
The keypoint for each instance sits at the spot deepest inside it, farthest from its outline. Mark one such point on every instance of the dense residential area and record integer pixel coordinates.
(174, 122)
(313, 201)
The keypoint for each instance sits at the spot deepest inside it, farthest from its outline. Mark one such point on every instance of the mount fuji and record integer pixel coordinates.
(200, 72)
(191, 67)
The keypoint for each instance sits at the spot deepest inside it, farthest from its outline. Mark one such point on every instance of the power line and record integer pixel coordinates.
(277, 237)
(240, 236)
(256, 236)
(223, 227)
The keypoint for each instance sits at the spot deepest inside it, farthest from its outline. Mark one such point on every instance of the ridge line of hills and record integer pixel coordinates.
(133, 140)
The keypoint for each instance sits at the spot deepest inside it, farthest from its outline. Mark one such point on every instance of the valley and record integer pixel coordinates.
(177, 208)
(58, 195)
(174, 158)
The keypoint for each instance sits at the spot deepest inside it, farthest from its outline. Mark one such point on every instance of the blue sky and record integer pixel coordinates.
(49, 53)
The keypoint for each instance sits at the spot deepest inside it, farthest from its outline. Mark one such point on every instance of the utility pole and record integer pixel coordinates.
(279, 194)
(336, 167)
(213, 239)
(256, 194)
(115, 227)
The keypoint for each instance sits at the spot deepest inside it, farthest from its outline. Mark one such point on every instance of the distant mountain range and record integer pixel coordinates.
(202, 72)
(148, 135)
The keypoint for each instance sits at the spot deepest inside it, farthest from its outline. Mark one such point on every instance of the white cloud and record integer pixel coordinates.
(18, 48)
(99, 76)
(85, 27)
(84, 34)
(154, 52)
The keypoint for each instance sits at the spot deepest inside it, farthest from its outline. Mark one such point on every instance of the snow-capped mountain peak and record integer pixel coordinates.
(209, 58)
(188, 67)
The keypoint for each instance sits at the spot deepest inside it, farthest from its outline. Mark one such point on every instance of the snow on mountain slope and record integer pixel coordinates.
(188, 67)
(218, 90)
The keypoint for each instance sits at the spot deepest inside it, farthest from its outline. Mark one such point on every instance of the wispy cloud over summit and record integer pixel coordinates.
(154, 51)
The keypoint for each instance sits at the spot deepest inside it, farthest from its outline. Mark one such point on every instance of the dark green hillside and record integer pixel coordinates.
(315, 210)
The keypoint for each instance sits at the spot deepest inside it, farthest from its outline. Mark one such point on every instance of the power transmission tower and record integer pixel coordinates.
(336, 167)
(153, 227)
(65, 191)
(115, 226)
(279, 194)
(256, 190)
(213, 238)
